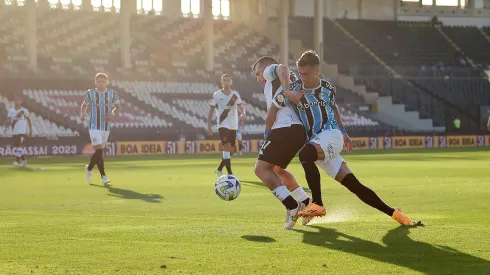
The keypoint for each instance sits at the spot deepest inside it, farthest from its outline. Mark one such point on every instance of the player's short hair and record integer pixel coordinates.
(308, 58)
(225, 75)
(101, 75)
(264, 60)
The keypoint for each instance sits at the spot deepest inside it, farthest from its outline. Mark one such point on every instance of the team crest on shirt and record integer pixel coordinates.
(280, 98)
(321, 96)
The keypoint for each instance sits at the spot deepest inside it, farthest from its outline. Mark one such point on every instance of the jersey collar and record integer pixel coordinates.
(311, 89)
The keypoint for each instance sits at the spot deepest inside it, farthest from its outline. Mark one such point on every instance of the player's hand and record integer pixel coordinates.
(109, 117)
(210, 131)
(30, 134)
(293, 96)
(347, 142)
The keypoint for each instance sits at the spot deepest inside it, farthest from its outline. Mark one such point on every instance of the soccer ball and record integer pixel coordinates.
(227, 187)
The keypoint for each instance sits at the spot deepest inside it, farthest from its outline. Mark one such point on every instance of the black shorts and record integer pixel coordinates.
(19, 140)
(227, 136)
(282, 144)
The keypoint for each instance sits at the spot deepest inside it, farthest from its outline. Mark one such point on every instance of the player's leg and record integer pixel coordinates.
(264, 170)
(308, 156)
(278, 150)
(16, 141)
(100, 164)
(21, 151)
(290, 182)
(329, 145)
(320, 150)
(364, 193)
(223, 135)
(97, 143)
(231, 146)
(240, 147)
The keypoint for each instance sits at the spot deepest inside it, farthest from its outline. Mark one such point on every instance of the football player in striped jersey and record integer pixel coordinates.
(327, 137)
(102, 104)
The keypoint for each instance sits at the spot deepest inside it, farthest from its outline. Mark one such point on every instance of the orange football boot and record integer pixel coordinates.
(400, 217)
(313, 210)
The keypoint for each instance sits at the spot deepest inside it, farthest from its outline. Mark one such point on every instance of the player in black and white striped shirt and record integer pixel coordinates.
(228, 104)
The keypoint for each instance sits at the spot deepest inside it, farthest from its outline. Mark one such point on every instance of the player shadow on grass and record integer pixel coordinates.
(259, 239)
(131, 195)
(401, 250)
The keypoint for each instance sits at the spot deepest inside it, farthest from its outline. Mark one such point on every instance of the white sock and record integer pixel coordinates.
(299, 194)
(281, 192)
(226, 155)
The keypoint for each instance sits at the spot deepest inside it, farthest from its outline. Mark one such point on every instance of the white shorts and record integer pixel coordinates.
(98, 137)
(332, 143)
(239, 137)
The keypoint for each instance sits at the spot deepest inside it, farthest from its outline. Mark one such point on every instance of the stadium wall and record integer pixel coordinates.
(79, 146)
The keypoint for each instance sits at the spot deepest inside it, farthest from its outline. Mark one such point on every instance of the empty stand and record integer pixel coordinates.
(67, 104)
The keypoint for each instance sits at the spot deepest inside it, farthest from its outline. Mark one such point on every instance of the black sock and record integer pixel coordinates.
(290, 202)
(228, 166)
(100, 166)
(366, 195)
(95, 159)
(313, 179)
(221, 165)
(306, 202)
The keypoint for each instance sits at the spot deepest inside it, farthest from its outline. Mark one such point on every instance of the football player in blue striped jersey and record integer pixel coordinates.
(102, 104)
(326, 138)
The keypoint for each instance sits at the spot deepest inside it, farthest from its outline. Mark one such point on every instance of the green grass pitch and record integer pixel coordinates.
(162, 217)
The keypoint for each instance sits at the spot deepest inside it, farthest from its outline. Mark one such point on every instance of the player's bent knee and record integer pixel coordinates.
(308, 153)
(278, 170)
(261, 168)
(343, 171)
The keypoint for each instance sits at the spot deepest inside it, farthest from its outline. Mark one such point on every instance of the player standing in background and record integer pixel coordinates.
(327, 136)
(102, 103)
(18, 116)
(283, 140)
(228, 104)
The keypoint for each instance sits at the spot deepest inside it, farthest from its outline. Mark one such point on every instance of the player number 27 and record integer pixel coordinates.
(266, 143)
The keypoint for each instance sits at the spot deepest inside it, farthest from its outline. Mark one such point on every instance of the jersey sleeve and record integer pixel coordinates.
(280, 101)
(213, 102)
(331, 96)
(26, 113)
(115, 99)
(270, 72)
(238, 99)
(330, 91)
(10, 114)
(87, 98)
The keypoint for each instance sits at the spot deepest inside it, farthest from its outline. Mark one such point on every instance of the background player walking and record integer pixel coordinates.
(228, 104)
(102, 104)
(19, 118)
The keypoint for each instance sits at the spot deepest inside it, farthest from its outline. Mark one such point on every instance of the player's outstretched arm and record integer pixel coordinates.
(283, 74)
(83, 110)
(241, 110)
(347, 140)
(270, 119)
(210, 119)
(488, 124)
(29, 121)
